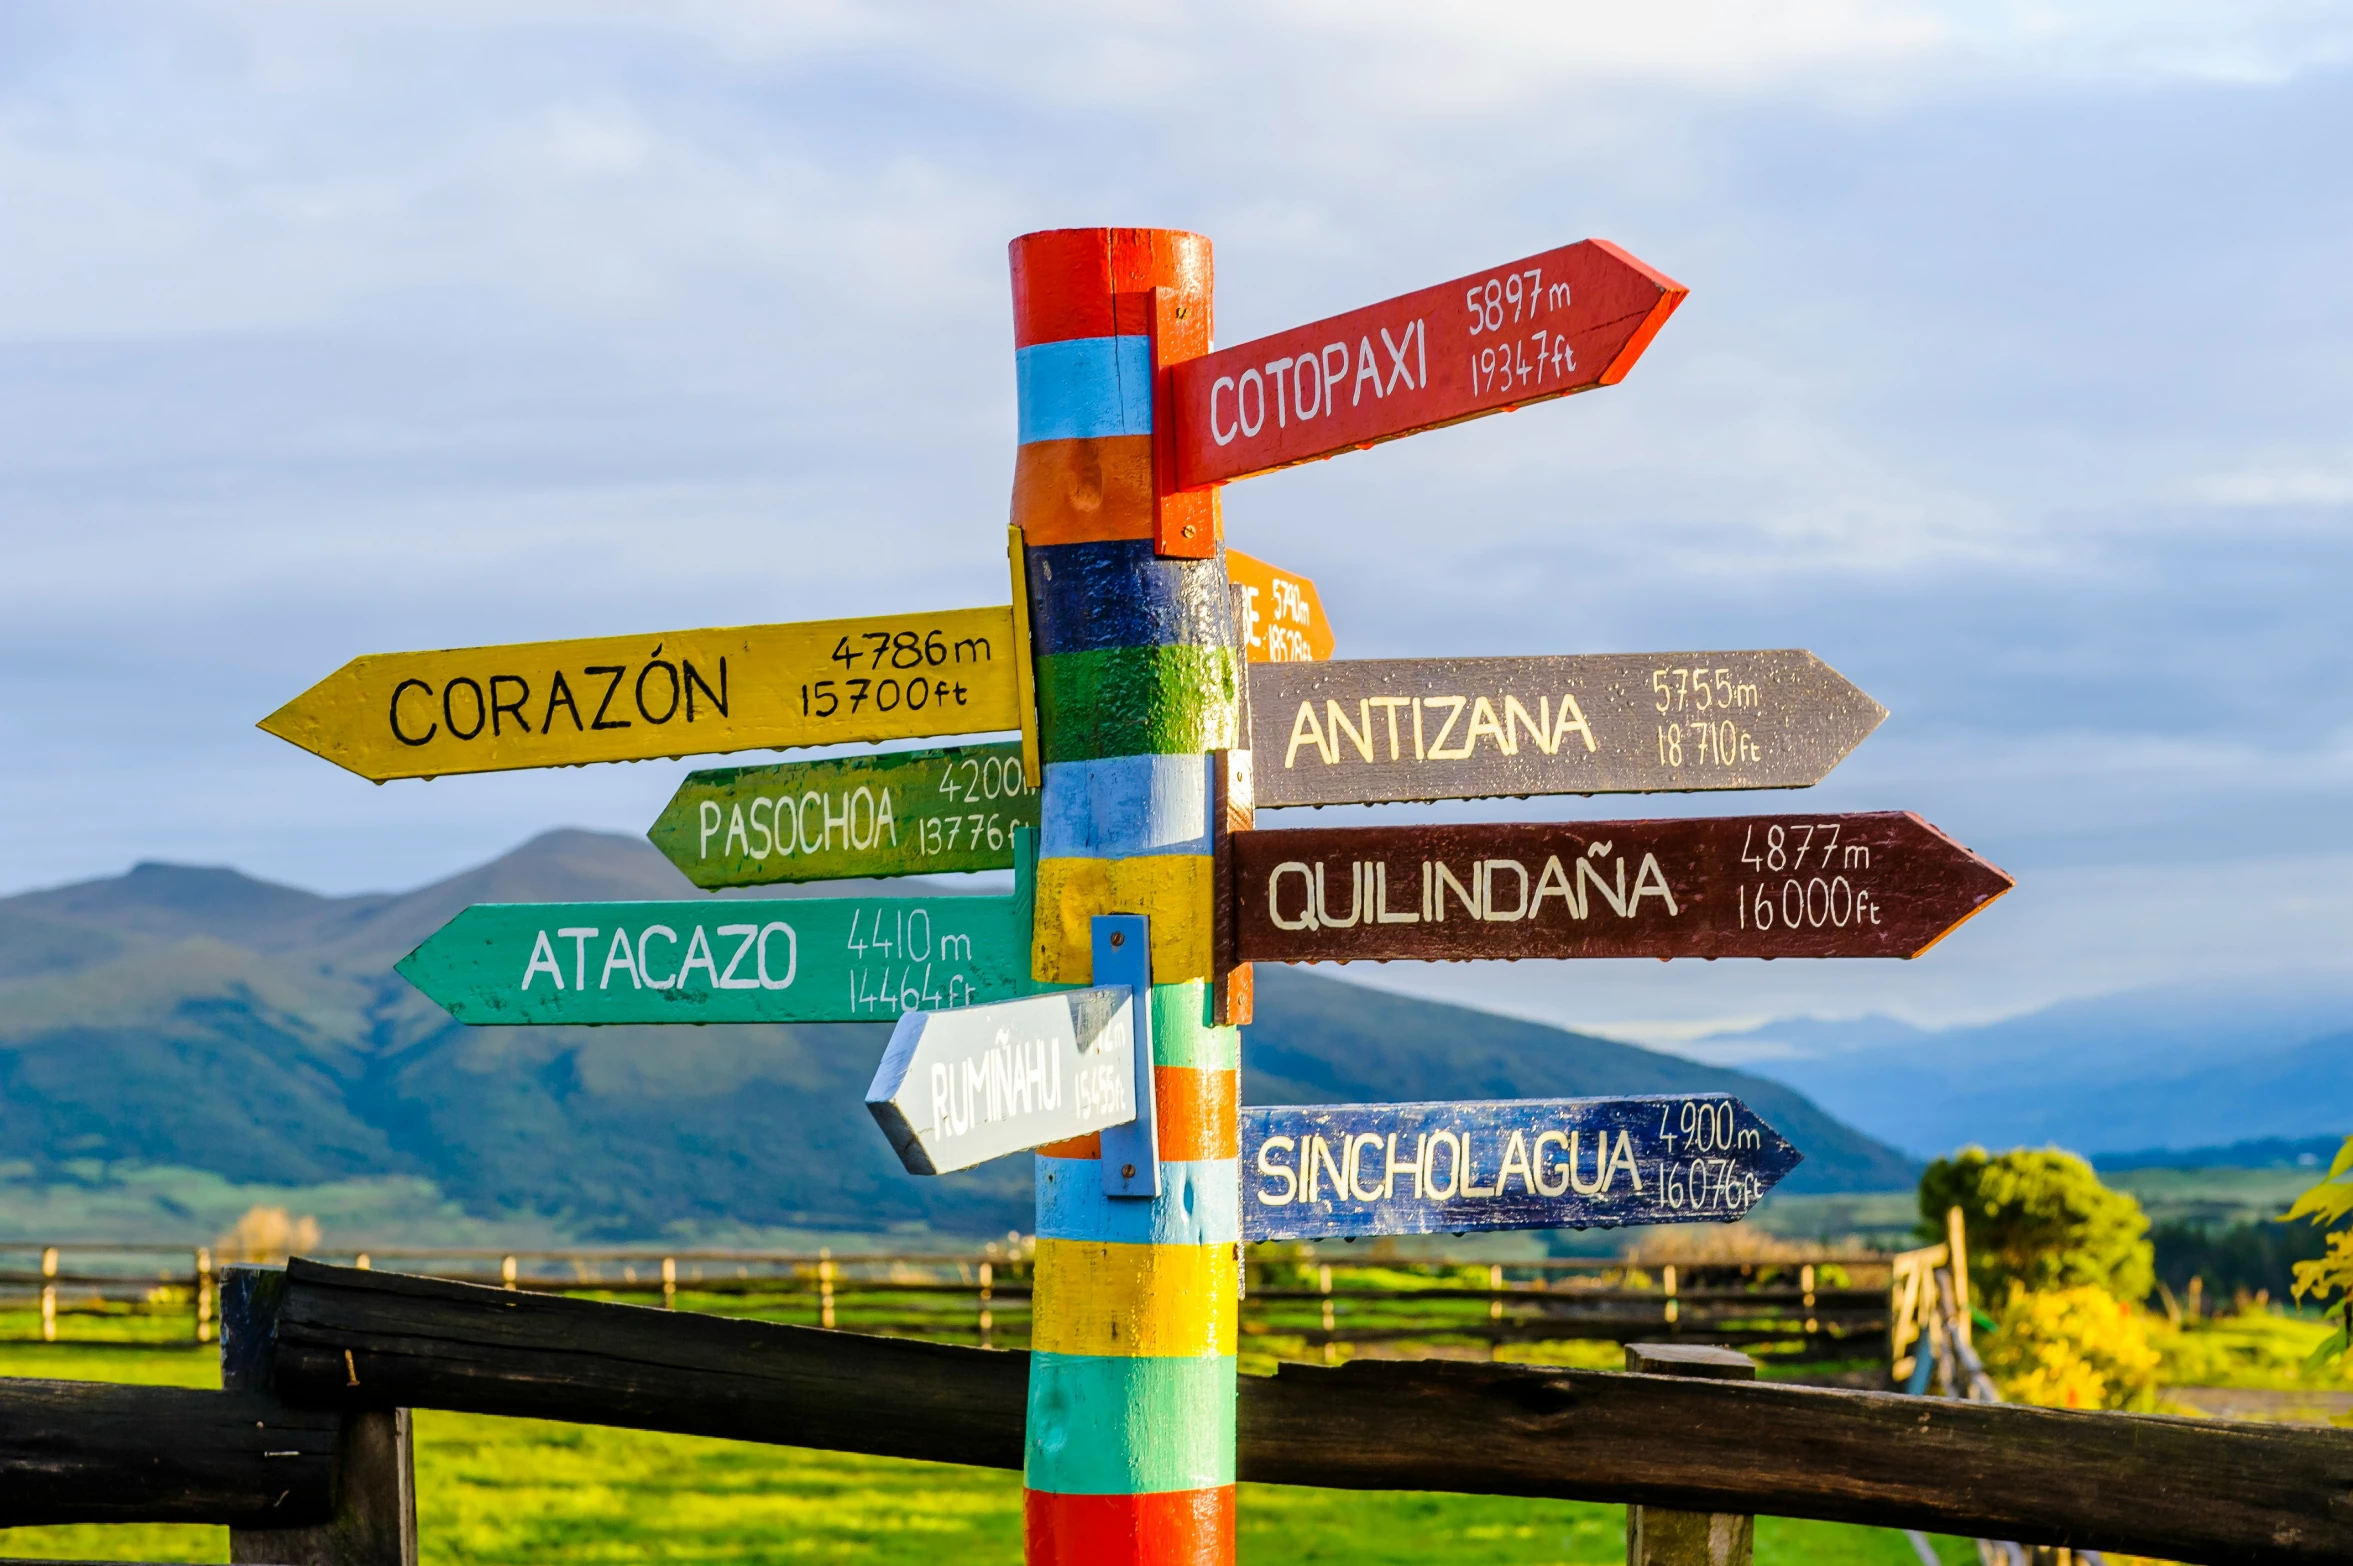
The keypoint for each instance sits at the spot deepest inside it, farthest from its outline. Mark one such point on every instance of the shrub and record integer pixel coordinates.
(2078, 1347)
(2330, 1278)
(2038, 1219)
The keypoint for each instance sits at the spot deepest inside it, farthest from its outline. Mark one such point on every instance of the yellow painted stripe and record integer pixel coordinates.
(1025, 674)
(1172, 890)
(1133, 1301)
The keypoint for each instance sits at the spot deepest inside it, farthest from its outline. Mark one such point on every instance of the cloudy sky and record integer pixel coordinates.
(2016, 380)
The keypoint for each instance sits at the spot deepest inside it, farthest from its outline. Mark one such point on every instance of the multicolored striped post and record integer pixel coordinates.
(1131, 1395)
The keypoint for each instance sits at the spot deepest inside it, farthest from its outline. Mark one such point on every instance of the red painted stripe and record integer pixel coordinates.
(1097, 282)
(1173, 1528)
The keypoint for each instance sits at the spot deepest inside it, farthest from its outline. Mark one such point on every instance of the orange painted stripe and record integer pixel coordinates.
(1199, 1117)
(1097, 282)
(1171, 1528)
(1198, 1114)
(1083, 491)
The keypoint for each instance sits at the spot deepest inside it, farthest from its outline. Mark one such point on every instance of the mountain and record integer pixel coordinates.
(2175, 1067)
(199, 1018)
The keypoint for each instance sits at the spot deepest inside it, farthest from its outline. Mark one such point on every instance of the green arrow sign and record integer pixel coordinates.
(807, 959)
(912, 812)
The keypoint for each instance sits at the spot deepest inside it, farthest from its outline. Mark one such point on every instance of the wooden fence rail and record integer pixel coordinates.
(1293, 1303)
(2186, 1490)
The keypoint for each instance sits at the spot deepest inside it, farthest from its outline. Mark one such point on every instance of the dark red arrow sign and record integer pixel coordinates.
(1885, 884)
(1564, 321)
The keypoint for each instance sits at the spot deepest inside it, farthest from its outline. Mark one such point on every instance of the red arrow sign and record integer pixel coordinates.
(1885, 884)
(1560, 322)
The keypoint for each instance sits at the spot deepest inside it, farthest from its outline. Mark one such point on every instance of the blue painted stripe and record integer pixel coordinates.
(1124, 807)
(1197, 1205)
(1085, 387)
(1118, 593)
(1121, 1426)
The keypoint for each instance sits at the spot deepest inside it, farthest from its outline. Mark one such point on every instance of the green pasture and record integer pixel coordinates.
(514, 1490)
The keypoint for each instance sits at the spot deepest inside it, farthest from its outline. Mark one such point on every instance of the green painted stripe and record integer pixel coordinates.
(1138, 701)
(1181, 1034)
(1105, 1426)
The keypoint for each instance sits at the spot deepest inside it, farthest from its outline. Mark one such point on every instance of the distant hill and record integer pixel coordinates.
(2172, 1068)
(199, 1018)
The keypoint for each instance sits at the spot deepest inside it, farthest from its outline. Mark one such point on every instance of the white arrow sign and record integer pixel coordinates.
(958, 1088)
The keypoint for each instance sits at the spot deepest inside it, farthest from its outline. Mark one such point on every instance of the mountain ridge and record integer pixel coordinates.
(199, 1018)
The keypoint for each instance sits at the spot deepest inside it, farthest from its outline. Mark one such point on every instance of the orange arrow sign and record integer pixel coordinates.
(1564, 321)
(1280, 618)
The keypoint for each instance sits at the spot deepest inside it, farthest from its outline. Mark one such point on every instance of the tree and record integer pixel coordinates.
(2040, 1219)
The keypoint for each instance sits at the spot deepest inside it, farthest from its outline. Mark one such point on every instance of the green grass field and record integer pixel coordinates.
(510, 1490)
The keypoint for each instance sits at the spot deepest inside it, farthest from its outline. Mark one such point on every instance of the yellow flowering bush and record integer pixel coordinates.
(2330, 1279)
(2080, 1347)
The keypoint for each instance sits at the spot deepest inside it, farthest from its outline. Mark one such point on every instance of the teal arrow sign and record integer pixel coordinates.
(808, 959)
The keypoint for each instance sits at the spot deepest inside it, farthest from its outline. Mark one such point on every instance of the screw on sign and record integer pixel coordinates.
(1393, 729)
(1334, 1171)
(1885, 884)
(1564, 321)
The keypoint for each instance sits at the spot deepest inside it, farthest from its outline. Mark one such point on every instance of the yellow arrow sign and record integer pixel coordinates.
(678, 693)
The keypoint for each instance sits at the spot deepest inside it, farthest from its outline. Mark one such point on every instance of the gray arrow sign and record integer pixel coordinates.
(958, 1088)
(1377, 731)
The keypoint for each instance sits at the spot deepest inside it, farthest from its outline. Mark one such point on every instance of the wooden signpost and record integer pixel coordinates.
(1152, 673)
(1278, 616)
(902, 812)
(1542, 327)
(1348, 1171)
(1885, 884)
(675, 693)
(803, 959)
(958, 1088)
(1398, 729)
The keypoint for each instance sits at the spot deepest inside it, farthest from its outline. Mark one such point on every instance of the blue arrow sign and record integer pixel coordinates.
(1325, 1171)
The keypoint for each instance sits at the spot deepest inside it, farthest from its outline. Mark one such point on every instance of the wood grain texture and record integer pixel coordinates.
(1368, 731)
(672, 693)
(1885, 884)
(1560, 322)
(905, 812)
(2187, 1490)
(1321, 1171)
(88, 1452)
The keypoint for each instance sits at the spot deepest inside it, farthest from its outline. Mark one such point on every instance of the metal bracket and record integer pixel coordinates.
(1131, 1153)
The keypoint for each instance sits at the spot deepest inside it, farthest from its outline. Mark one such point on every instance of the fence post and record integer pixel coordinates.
(1323, 1281)
(825, 1286)
(1674, 1305)
(1661, 1536)
(669, 1283)
(988, 1279)
(49, 1294)
(506, 1271)
(375, 1521)
(204, 1294)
